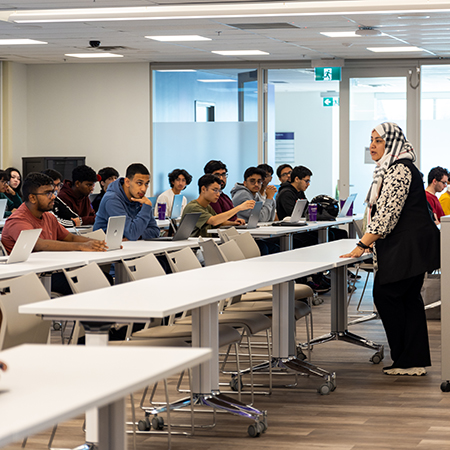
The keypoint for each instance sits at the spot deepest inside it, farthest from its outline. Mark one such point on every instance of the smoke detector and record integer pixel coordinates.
(368, 31)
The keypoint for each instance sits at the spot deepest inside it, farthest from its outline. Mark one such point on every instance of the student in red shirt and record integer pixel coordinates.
(39, 197)
(437, 182)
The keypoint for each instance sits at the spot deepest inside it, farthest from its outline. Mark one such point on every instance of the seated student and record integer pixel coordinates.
(209, 189)
(219, 169)
(75, 193)
(66, 217)
(39, 197)
(15, 182)
(14, 200)
(126, 197)
(437, 182)
(106, 176)
(284, 173)
(178, 180)
(249, 190)
(268, 178)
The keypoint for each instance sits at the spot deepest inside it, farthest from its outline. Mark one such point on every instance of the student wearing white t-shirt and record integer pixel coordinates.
(178, 179)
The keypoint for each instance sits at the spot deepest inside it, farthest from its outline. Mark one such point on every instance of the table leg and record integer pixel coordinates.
(322, 235)
(111, 426)
(339, 325)
(287, 242)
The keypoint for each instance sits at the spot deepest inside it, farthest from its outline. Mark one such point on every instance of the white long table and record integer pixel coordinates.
(286, 234)
(45, 385)
(200, 290)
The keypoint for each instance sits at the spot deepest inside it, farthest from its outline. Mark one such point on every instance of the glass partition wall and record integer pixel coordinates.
(199, 115)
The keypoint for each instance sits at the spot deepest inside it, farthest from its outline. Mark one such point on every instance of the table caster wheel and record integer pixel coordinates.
(333, 386)
(377, 358)
(325, 389)
(301, 355)
(234, 383)
(57, 326)
(316, 301)
(157, 423)
(144, 425)
(255, 429)
(445, 386)
(263, 425)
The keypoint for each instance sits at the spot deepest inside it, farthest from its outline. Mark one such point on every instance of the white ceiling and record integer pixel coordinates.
(429, 31)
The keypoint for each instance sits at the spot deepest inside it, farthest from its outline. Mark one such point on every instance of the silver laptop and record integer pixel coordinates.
(23, 247)
(253, 219)
(349, 202)
(296, 218)
(3, 203)
(177, 205)
(183, 231)
(114, 232)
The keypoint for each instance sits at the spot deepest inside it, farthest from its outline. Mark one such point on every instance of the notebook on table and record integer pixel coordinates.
(183, 231)
(3, 203)
(22, 248)
(296, 219)
(114, 232)
(177, 206)
(348, 203)
(253, 219)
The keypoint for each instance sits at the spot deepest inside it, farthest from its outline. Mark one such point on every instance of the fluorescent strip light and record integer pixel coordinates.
(94, 55)
(241, 10)
(239, 52)
(176, 70)
(336, 34)
(395, 49)
(186, 38)
(20, 42)
(218, 81)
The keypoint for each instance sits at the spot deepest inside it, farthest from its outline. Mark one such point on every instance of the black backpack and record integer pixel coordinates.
(327, 207)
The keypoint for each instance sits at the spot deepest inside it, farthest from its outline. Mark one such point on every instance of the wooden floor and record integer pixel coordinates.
(368, 410)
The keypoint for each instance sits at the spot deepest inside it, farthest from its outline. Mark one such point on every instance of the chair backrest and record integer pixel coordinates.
(183, 260)
(145, 267)
(358, 224)
(97, 234)
(227, 234)
(232, 251)
(86, 278)
(15, 328)
(247, 245)
(212, 254)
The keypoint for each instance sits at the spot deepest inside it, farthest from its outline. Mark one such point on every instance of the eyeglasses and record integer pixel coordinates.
(216, 191)
(59, 185)
(4, 181)
(221, 175)
(49, 194)
(255, 181)
(285, 174)
(445, 183)
(307, 181)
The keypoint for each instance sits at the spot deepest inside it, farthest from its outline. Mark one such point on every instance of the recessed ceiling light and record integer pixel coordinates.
(339, 33)
(226, 80)
(395, 49)
(239, 52)
(94, 55)
(185, 38)
(20, 42)
(413, 17)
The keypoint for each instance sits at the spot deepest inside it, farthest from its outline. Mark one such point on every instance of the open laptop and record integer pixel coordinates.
(3, 203)
(114, 232)
(183, 231)
(348, 203)
(22, 248)
(177, 206)
(296, 219)
(253, 219)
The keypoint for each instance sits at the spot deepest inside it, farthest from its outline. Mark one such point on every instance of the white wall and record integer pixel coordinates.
(14, 114)
(101, 111)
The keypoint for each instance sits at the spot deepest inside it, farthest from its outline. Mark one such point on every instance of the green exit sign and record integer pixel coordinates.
(331, 101)
(327, 73)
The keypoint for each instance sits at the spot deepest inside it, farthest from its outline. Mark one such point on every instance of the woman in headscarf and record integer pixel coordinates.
(406, 244)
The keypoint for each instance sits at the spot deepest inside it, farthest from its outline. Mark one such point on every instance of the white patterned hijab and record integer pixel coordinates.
(396, 147)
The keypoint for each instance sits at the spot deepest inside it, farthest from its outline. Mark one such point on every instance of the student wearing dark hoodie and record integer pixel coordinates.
(75, 193)
(126, 197)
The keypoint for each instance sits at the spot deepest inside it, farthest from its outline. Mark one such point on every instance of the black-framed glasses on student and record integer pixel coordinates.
(49, 194)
